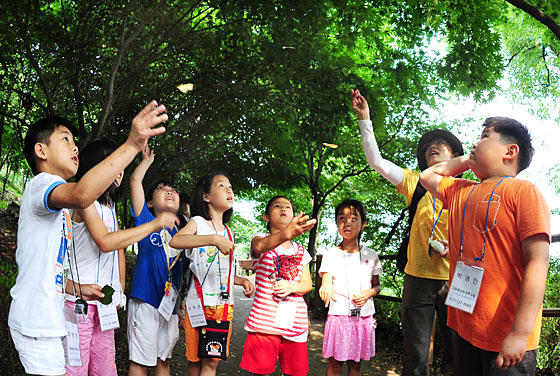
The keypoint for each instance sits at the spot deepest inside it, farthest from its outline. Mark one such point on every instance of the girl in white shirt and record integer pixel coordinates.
(97, 257)
(350, 275)
(209, 243)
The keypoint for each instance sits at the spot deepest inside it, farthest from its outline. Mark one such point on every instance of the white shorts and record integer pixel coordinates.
(40, 355)
(149, 335)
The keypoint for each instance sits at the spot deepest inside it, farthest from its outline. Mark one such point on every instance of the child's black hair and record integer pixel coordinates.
(357, 205)
(514, 132)
(41, 131)
(184, 198)
(91, 155)
(269, 204)
(198, 205)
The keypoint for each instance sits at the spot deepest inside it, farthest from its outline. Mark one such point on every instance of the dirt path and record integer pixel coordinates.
(383, 363)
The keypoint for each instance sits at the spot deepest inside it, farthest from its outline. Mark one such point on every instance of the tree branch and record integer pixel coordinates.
(346, 176)
(32, 60)
(538, 15)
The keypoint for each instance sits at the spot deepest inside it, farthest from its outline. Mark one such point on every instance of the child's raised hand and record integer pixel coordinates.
(166, 220)
(326, 292)
(148, 155)
(225, 246)
(143, 123)
(299, 225)
(360, 105)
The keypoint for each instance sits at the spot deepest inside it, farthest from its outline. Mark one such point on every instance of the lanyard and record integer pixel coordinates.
(218, 257)
(487, 212)
(199, 285)
(434, 220)
(166, 248)
(99, 254)
(344, 254)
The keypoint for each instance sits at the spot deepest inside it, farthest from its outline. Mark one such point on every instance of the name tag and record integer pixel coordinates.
(286, 314)
(465, 286)
(196, 313)
(108, 318)
(168, 303)
(72, 352)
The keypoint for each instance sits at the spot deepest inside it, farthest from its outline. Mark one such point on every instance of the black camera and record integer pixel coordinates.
(80, 307)
(224, 295)
(355, 312)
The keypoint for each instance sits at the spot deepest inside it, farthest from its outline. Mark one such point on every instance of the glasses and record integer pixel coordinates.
(167, 189)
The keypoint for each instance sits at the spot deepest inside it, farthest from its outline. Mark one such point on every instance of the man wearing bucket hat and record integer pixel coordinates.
(427, 270)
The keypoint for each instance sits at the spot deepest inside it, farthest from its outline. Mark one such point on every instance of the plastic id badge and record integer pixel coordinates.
(465, 286)
(286, 314)
(168, 303)
(196, 313)
(108, 318)
(71, 342)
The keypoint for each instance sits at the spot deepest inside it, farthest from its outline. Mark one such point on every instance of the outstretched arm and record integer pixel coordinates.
(431, 176)
(136, 188)
(80, 195)
(110, 241)
(385, 168)
(535, 254)
(186, 238)
(299, 225)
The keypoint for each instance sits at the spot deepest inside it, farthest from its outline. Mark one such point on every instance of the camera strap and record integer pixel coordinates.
(72, 253)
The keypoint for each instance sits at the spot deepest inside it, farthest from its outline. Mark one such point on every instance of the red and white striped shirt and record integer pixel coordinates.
(288, 264)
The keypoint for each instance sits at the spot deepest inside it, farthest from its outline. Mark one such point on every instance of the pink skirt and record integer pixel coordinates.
(349, 338)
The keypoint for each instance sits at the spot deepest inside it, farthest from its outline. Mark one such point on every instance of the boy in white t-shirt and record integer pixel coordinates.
(36, 317)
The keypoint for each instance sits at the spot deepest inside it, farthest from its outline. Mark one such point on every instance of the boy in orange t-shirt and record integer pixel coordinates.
(501, 224)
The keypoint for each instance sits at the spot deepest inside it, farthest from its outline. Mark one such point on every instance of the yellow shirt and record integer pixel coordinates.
(420, 263)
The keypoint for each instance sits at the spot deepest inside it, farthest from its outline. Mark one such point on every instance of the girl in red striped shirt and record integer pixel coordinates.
(278, 322)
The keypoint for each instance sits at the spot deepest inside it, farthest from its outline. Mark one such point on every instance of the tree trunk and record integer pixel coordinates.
(317, 307)
(8, 170)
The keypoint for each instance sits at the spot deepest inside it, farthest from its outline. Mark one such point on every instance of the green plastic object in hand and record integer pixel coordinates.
(108, 291)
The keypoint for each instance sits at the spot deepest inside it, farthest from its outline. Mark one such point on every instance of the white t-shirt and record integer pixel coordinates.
(94, 265)
(43, 235)
(211, 267)
(352, 273)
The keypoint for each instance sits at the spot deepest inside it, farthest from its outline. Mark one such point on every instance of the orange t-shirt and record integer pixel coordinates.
(517, 211)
